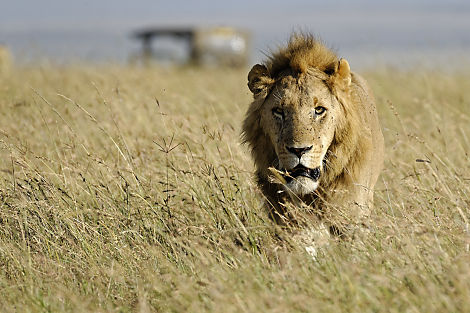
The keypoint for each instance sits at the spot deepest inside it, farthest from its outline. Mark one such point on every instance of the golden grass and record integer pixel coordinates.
(127, 190)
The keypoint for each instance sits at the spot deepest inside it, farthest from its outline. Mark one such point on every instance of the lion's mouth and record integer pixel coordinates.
(301, 170)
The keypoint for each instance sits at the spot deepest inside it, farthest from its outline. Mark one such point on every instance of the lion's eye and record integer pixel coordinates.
(320, 110)
(278, 112)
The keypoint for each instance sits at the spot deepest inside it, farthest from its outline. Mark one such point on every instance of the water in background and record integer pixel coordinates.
(428, 33)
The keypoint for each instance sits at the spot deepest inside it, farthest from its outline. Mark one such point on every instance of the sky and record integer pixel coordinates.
(101, 28)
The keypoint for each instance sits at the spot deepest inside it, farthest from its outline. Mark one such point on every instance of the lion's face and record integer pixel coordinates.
(299, 116)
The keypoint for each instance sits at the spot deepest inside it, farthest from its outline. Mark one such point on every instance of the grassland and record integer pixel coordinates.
(127, 190)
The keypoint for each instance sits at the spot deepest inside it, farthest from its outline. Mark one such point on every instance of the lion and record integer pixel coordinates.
(5, 59)
(314, 132)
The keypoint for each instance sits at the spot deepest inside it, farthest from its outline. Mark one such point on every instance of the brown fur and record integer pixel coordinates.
(301, 53)
(354, 154)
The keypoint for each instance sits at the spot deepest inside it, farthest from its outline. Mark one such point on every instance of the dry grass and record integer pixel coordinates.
(126, 190)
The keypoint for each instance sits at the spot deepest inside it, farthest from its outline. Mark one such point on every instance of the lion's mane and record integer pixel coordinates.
(346, 153)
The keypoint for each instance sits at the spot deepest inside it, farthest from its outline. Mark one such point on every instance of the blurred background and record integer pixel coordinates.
(396, 33)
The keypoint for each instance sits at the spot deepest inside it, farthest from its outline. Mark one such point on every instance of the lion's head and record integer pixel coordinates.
(299, 115)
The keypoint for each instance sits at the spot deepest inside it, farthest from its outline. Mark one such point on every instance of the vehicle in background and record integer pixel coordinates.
(216, 46)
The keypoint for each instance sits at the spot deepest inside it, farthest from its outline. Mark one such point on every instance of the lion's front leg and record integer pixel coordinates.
(314, 238)
(347, 213)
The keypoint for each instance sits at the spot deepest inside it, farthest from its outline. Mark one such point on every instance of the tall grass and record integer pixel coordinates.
(127, 190)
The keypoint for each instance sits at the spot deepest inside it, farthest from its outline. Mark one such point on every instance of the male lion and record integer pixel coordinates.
(313, 124)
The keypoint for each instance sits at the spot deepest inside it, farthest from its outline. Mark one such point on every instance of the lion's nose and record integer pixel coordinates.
(298, 151)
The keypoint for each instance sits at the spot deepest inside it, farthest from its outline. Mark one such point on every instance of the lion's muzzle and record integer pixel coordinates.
(302, 180)
(300, 170)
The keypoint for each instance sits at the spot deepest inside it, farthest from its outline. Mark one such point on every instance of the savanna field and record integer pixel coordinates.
(126, 189)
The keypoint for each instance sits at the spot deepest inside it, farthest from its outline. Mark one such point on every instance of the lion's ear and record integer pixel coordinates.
(259, 79)
(342, 76)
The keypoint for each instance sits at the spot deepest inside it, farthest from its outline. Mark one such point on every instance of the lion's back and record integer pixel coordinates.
(374, 155)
